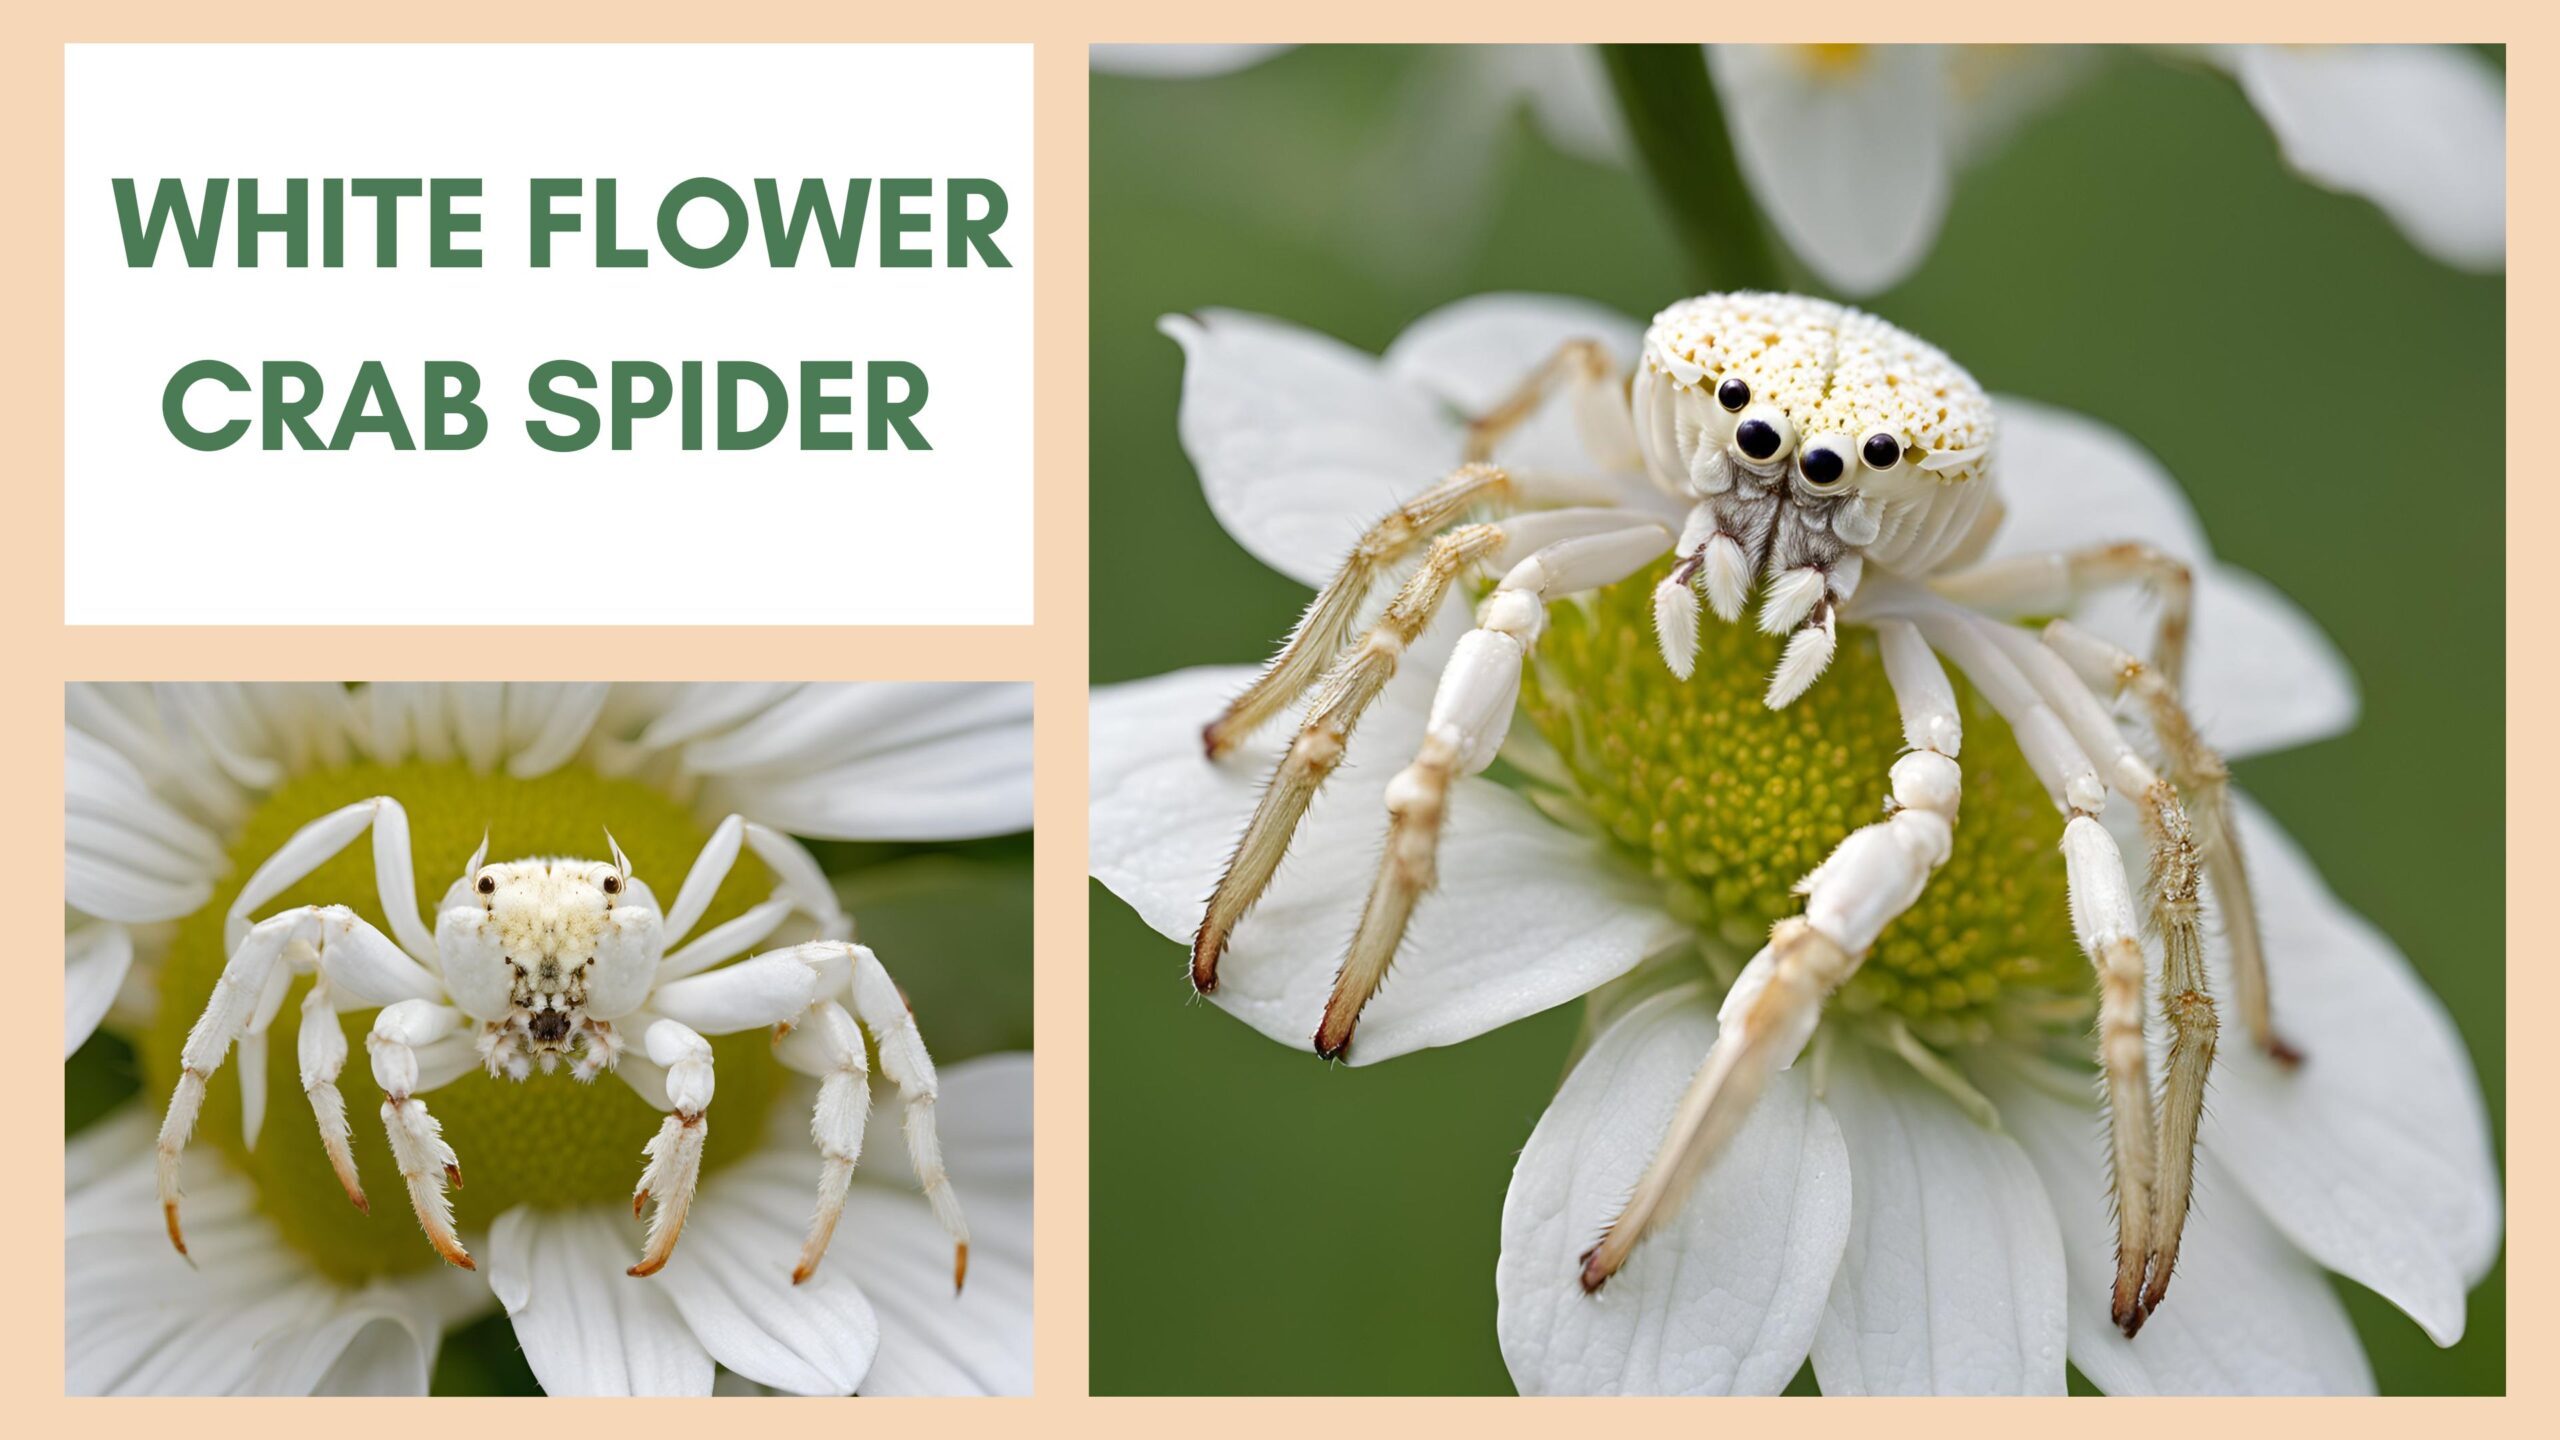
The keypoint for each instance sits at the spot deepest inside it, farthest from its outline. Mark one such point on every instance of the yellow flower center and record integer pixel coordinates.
(549, 1141)
(1729, 803)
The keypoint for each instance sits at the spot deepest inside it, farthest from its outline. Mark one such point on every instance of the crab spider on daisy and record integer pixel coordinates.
(1680, 1213)
(178, 797)
(536, 962)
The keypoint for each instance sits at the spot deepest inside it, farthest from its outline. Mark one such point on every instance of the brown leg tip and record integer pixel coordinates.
(646, 1268)
(959, 1267)
(800, 1273)
(2282, 1052)
(1330, 1045)
(362, 1205)
(176, 1237)
(638, 1200)
(454, 1174)
(1204, 960)
(2129, 1316)
(1213, 741)
(1595, 1272)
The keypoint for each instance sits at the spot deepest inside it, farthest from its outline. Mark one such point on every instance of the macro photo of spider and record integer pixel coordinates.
(533, 963)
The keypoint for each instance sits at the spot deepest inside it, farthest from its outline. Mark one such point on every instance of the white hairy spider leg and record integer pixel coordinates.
(2103, 922)
(1320, 632)
(1345, 694)
(2201, 775)
(798, 885)
(883, 1011)
(1348, 688)
(418, 1145)
(1875, 874)
(826, 1044)
(1470, 714)
(361, 963)
(318, 842)
(321, 1050)
(2173, 891)
(675, 1152)
(2052, 582)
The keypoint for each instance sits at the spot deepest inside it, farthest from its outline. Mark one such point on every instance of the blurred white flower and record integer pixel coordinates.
(1852, 151)
(1864, 1216)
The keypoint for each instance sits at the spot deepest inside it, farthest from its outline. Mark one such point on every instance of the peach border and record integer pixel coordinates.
(1053, 651)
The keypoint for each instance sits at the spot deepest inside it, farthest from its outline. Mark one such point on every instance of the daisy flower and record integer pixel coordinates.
(1922, 1204)
(200, 817)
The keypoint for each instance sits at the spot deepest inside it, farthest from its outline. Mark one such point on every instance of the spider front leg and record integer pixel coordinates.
(1346, 693)
(1321, 631)
(1874, 875)
(1470, 714)
(825, 1042)
(2202, 777)
(2050, 583)
(1580, 368)
(675, 1152)
(400, 1033)
(355, 959)
(2102, 918)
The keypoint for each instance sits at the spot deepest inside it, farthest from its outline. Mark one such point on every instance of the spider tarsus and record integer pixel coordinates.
(1206, 947)
(2283, 1052)
(647, 1268)
(169, 1212)
(452, 1173)
(639, 1198)
(959, 1266)
(1329, 1045)
(2128, 1311)
(1595, 1271)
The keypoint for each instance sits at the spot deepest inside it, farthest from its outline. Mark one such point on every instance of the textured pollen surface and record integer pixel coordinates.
(1828, 366)
(548, 1141)
(1730, 803)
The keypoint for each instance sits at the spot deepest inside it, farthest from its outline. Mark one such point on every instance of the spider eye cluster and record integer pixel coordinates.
(488, 885)
(1827, 461)
(613, 884)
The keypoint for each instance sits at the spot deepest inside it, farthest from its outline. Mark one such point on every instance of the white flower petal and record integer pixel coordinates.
(2374, 1156)
(561, 731)
(95, 959)
(731, 1280)
(1725, 1296)
(2248, 1314)
(1299, 439)
(101, 886)
(1953, 1280)
(824, 725)
(248, 1316)
(2261, 675)
(585, 1327)
(950, 786)
(932, 1342)
(705, 709)
(1848, 157)
(1527, 915)
(2420, 130)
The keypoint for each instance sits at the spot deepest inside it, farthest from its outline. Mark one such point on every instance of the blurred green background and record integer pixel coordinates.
(961, 910)
(2331, 399)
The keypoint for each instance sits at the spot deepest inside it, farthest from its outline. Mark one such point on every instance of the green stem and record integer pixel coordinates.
(1677, 122)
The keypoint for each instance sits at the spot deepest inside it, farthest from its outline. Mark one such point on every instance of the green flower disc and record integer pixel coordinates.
(549, 1141)
(1728, 804)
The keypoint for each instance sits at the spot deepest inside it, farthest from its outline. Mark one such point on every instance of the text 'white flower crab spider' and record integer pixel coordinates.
(1847, 468)
(536, 961)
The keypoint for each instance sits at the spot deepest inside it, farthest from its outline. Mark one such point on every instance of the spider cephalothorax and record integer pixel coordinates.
(534, 960)
(558, 952)
(1848, 470)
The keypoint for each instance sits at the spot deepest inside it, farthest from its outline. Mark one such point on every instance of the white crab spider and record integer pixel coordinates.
(1849, 469)
(533, 962)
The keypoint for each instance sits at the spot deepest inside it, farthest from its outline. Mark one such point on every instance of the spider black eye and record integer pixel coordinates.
(488, 885)
(1882, 451)
(1822, 465)
(1733, 395)
(1757, 438)
(613, 884)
